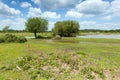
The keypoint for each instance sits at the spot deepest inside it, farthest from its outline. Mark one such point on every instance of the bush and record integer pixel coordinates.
(39, 37)
(43, 37)
(12, 38)
(21, 40)
(57, 37)
(2, 40)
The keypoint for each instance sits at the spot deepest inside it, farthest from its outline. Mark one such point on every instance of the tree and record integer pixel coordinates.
(6, 28)
(66, 28)
(36, 24)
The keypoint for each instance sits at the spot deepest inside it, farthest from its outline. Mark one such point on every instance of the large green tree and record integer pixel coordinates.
(36, 24)
(68, 28)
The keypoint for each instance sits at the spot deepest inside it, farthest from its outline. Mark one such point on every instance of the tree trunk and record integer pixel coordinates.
(35, 34)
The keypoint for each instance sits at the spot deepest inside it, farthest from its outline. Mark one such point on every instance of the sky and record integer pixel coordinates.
(91, 14)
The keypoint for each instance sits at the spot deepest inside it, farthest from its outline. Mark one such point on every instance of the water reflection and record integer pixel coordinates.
(112, 36)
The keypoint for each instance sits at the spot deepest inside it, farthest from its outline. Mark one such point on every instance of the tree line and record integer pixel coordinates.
(66, 28)
(100, 31)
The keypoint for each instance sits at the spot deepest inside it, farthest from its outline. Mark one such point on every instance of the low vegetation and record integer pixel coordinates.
(12, 38)
(56, 65)
(68, 58)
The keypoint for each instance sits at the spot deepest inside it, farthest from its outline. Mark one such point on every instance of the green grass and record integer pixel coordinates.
(28, 34)
(107, 49)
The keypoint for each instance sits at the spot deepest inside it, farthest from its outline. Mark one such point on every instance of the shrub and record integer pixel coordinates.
(57, 37)
(39, 37)
(12, 38)
(2, 40)
(21, 40)
(43, 37)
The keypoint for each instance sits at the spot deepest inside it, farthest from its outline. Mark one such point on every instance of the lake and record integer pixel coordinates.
(29, 37)
(109, 36)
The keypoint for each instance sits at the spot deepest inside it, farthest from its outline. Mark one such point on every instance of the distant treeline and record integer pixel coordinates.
(101, 31)
(14, 31)
(85, 30)
(11, 30)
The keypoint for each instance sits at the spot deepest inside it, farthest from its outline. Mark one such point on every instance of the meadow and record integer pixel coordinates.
(67, 59)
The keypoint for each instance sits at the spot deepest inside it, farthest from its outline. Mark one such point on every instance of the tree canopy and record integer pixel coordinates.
(66, 28)
(36, 24)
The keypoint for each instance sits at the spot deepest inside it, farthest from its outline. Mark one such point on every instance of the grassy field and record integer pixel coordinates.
(27, 34)
(101, 56)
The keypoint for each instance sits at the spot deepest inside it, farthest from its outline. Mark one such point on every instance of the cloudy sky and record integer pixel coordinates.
(91, 14)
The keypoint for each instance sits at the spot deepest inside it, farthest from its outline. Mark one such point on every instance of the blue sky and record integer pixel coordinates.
(91, 14)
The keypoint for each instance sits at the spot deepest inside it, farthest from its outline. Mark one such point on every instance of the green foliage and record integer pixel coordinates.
(44, 65)
(81, 53)
(12, 38)
(2, 40)
(99, 31)
(66, 28)
(36, 24)
(57, 37)
(43, 37)
(21, 39)
(47, 65)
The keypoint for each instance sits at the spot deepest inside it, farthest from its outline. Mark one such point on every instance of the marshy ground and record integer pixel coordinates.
(67, 59)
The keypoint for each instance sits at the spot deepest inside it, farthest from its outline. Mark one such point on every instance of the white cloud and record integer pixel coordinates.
(93, 7)
(48, 14)
(25, 4)
(13, 2)
(51, 25)
(113, 11)
(36, 12)
(115, 8)
(56, 4)
(108, 17)
(18, 23)
(5, 10)
(73, 14)
(95, 25)
(36, 1)
(89, 8)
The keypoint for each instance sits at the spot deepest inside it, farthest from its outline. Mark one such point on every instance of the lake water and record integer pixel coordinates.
(111, 36)
(29, 37)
